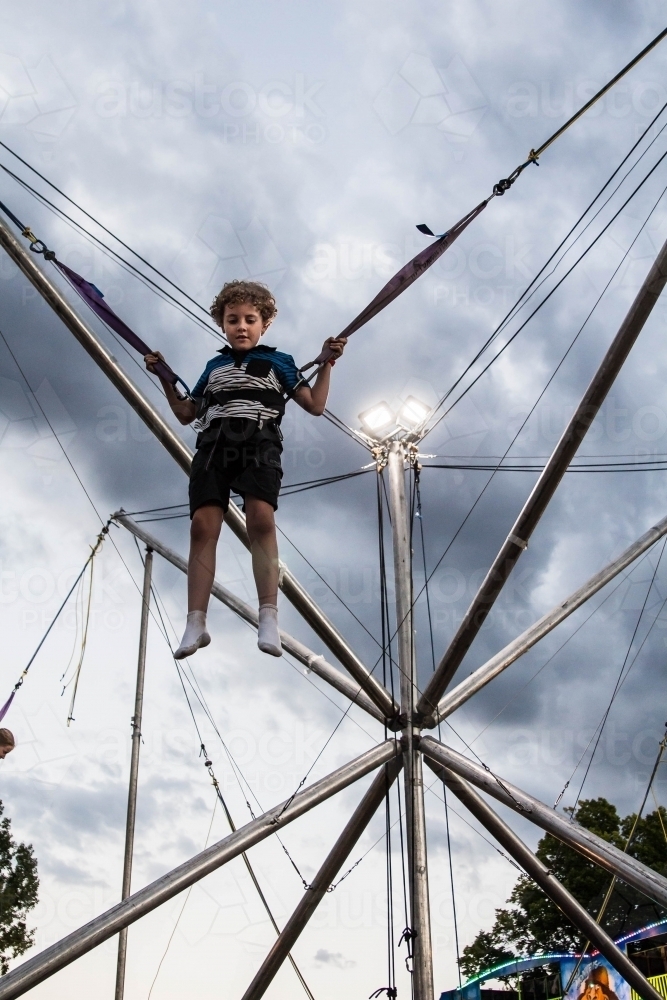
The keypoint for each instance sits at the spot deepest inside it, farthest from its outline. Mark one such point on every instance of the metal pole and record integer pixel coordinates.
(550, 885)
(544, 489)
(318, 888)
(178, 450)
(297, 649)
(98, 352)
(481, 677)
(414, 784)
(255, 882)
(95, 932)
(134, 769)
(602, 853)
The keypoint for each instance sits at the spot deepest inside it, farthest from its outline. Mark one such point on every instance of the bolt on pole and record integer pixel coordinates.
(134, 769)
(414, 784)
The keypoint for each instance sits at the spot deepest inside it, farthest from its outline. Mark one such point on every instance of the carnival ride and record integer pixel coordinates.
(409, 714)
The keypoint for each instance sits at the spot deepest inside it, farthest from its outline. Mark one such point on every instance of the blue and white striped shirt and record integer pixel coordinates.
(228, 373)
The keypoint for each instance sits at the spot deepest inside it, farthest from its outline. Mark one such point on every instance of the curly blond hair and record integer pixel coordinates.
(233, 293)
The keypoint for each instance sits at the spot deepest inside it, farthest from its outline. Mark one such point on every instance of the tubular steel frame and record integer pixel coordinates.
(416, 712)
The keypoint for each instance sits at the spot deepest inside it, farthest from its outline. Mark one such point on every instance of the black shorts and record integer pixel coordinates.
(235, 455)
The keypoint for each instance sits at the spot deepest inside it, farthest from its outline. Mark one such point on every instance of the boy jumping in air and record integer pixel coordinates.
(238, 404)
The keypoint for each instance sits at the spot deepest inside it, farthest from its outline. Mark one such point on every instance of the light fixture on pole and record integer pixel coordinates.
(378, 420)
(412, 413)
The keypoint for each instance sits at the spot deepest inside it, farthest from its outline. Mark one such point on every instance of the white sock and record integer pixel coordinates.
(268, 637)
(195, 635)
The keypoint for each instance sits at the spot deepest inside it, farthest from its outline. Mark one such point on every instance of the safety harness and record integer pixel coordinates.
(270, 398)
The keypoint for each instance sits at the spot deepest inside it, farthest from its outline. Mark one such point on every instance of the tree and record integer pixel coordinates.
(18, 894)
(532, 924)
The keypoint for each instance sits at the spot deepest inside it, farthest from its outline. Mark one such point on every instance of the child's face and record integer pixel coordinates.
(243, 326)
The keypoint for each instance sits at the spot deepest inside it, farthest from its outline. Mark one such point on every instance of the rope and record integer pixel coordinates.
(103, 227)
(624, 579)
(113, 254)
(208, 764)
(601, 467)
(612, 884)
(534, 153)
(94, 550)
(185, 903)
(84, 641)
(541, 394)
(620, 676)
(514, 308)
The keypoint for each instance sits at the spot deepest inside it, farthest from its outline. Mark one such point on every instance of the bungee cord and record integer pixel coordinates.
(104, 228)
(536, 283)
(117, 258)
(415, 506)
(625, 578)
(551, 378)
(524, 324)
(623, 673)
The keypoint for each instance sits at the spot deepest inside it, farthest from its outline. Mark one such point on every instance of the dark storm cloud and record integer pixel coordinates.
(303, 146)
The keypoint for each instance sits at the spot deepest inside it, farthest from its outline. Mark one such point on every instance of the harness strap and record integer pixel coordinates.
(270, 398)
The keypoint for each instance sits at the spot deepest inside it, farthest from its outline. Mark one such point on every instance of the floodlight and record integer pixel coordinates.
(378, 420)
(412, 413)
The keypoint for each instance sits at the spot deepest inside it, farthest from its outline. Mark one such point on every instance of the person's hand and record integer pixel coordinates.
(152, 359)
(336, 345)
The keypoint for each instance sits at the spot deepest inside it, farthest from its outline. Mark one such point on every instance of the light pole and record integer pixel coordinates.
(399, 452)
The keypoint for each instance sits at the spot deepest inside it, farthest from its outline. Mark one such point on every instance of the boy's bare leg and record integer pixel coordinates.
(261, 526)
(204, 534)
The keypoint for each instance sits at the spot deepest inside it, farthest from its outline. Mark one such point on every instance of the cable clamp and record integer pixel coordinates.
(518, 541)
(313, 659)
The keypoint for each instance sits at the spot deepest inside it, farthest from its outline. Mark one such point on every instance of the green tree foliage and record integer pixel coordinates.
(18, 894)
(531, 924)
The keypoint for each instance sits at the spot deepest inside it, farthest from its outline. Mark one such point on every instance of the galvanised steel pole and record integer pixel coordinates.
(480, 678)
(550, 885)
(546, 486)
(613, 860)
(179, 451)
(295, 647)
(134, 768)
(320, 885)
(35, 970)
(414, 782)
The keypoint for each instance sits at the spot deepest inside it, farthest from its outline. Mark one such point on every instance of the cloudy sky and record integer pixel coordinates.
(301, 144)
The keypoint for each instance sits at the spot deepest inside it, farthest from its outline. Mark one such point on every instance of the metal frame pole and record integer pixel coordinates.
(178, 450)
(550, 885)
(480, 678)
(602, 853)
(310, 660)
(544, 489)
(318, 888)
(134, 769)
(29, 974)
(420, 915)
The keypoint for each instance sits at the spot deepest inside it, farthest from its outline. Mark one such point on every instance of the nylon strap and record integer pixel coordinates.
(95, 299)
(402, 280)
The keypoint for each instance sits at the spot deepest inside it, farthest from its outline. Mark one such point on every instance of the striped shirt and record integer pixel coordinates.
(229, 373)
